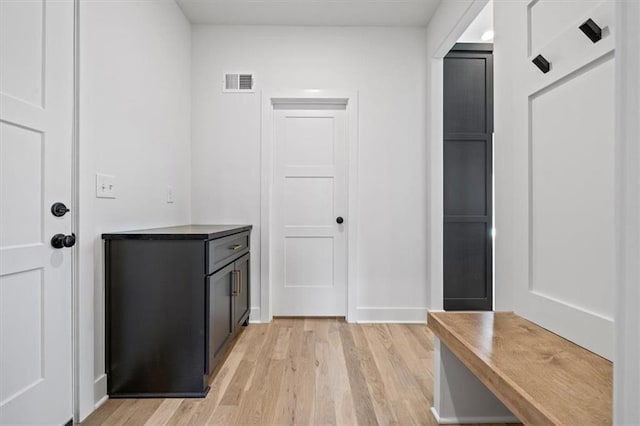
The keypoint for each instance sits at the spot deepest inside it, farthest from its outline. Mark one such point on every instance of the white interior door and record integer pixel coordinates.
(36, 107)
(309, 195)
(567, 139)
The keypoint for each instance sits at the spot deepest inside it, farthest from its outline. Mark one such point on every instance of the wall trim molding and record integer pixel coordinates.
(309, 100)
(437, 49)
(255, 317)
(626, 368)
(383, 314)
(100, 389)
(100, 402)
(347, 99)
(473, 420)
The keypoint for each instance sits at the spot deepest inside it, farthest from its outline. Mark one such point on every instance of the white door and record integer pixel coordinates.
(309, 197)
(36, 107)
(565, 137)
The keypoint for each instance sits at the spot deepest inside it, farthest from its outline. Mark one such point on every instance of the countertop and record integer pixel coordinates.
(184, 232)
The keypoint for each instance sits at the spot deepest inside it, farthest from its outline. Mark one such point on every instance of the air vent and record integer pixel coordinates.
(238, 83)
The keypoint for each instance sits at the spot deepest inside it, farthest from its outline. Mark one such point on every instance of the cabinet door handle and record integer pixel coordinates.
(234, 288)
(239, 283)
(236, 247)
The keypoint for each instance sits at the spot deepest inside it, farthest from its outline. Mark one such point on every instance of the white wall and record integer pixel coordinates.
(554, 169)
(135, 124)
(387, 67)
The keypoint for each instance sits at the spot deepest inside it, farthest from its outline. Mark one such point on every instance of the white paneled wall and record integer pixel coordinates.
(554, 168)
(388, 68)
(135, 125)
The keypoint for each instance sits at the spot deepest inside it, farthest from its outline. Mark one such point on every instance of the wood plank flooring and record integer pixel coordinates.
(304, 372)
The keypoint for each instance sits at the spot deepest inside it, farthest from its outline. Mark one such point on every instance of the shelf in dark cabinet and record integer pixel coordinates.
(170, 313)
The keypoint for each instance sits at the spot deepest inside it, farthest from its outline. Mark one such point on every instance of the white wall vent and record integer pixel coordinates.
(238, 82)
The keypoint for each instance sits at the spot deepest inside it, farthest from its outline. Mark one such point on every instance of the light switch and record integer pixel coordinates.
(170, 194)
(105, 186)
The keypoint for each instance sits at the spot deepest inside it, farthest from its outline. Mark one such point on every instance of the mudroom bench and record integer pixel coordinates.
(539, 376)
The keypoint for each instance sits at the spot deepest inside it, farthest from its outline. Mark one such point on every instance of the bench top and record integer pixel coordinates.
(541, 377)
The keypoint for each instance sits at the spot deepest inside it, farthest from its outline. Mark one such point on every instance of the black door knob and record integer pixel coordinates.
(339, 219)
(60, 240)
(59, 209)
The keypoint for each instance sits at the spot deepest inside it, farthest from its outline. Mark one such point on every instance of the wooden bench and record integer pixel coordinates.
(539, 376)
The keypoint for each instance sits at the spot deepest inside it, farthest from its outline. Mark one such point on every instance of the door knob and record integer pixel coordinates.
(340, 220)
(59, 209)
(60, 240)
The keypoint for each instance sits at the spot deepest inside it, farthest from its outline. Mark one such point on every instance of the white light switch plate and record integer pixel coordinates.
(170, 194)
(105, 186)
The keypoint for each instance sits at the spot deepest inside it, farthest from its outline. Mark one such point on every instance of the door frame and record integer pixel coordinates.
(626, 371)
(326, 98)
(459, 50)
(76, 363)
(437, 49)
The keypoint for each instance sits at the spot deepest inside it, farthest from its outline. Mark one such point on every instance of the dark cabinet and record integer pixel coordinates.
(175, 299)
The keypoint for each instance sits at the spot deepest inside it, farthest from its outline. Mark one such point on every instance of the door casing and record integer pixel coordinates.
(321, 98)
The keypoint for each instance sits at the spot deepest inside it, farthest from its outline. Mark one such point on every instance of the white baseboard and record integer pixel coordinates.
(254, 316)
(100, 402)
(391, 315)
(472, 420)
(100, 390)
(372, 315)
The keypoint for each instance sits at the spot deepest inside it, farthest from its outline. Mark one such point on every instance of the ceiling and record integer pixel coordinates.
(479, 26)
(310, 12)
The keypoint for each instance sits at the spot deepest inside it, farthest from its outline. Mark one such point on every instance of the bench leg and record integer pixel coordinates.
(459, 397)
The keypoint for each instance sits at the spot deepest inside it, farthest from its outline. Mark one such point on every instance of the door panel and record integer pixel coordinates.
(36, 105)
(220, 325)
(468, 124)
(548, 18)
(465, 100)
(465, 177)
(308, 201)
(465, 264)
(242, 299)
(309, 194)
(572, 230)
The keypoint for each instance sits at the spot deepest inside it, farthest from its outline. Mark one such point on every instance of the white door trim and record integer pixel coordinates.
(626, 376)
(435, 126)
(324, 98)
(75, 222)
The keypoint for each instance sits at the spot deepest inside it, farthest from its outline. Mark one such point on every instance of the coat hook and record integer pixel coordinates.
(542, 63)
(591, 30)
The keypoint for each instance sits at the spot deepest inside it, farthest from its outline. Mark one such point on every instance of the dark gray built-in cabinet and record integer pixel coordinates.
(175, 299)
(468, 173)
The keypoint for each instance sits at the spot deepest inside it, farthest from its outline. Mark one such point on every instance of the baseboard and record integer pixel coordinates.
(391, 315)
(254, 316)
(472, 420)
(100, 390)
(100, 402)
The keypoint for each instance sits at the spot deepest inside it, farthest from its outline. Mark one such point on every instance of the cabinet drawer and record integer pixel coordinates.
(225, 250)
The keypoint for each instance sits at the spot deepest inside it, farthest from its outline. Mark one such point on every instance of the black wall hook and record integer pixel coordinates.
(591, 30)
(542, 63)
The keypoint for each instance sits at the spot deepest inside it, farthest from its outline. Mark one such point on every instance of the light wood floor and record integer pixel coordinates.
(304, 372)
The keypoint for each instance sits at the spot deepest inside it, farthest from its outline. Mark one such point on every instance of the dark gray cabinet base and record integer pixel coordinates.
(170, 312)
